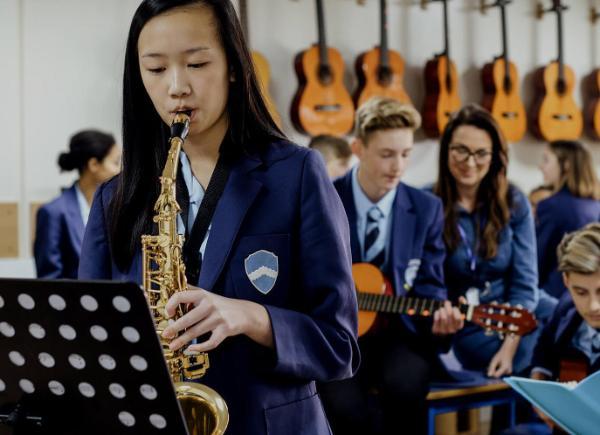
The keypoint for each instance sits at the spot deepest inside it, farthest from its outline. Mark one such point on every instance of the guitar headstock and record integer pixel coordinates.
(504, 319)
(557, 7)
(484, 5)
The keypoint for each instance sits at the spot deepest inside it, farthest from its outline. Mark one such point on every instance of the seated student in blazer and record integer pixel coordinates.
(273, 290)
(335, 151)
(573, 334)
(569, 168)
(489, 235)
(60, 223)
(399, 229)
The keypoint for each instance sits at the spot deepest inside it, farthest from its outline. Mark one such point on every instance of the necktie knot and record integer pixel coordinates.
(374, 214)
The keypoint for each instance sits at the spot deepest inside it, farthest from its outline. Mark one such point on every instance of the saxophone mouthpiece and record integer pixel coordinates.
(180, 126)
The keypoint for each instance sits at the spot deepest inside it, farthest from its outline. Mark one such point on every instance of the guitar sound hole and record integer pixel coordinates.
(328, 107)
(384, 75)
(561, 87)
(325, 75)
(562, 117)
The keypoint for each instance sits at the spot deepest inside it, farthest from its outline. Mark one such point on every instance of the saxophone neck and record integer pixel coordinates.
(172, 164)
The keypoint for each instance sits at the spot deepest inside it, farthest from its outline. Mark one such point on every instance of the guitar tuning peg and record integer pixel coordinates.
(500, 325)
(501, 335)
(488, 332)
(539, 10)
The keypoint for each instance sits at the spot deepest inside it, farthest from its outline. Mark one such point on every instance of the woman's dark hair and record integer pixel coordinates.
(577, 170)
(83, 146)
(145, 135)
(493, 200)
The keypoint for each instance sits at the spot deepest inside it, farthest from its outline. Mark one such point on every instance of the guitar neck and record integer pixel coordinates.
(405, 305)
(323, 56)
(504, 39)
(561, 72)
(384, 56)
(446, 32)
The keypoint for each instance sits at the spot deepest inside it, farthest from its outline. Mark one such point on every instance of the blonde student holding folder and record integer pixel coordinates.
(572, 337)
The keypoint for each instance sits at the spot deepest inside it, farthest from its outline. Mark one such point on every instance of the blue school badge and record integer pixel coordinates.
(262, 269)
(411, 273)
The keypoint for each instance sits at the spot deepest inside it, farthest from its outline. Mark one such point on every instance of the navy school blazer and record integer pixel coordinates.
(416, 232)
(556, 216)
(280, 202)
(58, 236)
(554, 343)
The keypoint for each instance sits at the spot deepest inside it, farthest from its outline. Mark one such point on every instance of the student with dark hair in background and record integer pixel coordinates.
(335, 151)
(269, 284)
(567, 167)
(490, 238)
(60, 223)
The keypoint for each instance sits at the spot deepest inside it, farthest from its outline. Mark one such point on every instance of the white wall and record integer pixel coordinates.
(61, 67)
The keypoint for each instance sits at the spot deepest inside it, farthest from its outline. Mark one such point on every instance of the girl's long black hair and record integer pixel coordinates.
(145, 135)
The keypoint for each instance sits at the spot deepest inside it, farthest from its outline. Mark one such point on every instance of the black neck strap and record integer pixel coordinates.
(214, 190)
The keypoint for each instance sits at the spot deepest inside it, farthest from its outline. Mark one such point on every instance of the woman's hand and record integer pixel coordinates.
(222, 317)
(447, 320)
(501, 363)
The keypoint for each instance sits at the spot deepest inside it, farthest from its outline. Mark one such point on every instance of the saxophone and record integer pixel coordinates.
(204, 409)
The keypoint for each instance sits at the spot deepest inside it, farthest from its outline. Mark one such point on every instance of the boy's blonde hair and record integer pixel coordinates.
(579, 251)
(384, 114)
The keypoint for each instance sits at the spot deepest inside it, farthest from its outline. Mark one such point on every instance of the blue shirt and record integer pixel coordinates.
(511, 276)
(582, 340)
(196, 192)
(363, 204)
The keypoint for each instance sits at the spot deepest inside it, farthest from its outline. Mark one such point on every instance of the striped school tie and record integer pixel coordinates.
(374, 253)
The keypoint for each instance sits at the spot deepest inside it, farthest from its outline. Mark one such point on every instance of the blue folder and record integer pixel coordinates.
(574, 407)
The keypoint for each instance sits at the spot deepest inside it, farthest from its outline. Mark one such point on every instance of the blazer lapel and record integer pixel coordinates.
(239, 194)
(403, 230)
(75, 225)
(344, 189)
(567, 327)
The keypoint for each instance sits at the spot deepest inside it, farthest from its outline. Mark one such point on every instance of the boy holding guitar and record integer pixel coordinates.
(569, 347)
(399, 229)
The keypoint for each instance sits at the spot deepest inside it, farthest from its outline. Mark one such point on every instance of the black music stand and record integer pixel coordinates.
(82, 357)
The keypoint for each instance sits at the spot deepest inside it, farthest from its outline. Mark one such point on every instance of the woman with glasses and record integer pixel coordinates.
(490, 238)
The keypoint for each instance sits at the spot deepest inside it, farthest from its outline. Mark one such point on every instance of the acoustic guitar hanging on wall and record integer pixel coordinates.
(555, 114)
(322, 105)
(500, 81)
(380, 70)
(261, 66)
(441, 85)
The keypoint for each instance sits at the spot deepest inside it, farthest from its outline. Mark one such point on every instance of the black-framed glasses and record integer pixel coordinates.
(461, 154)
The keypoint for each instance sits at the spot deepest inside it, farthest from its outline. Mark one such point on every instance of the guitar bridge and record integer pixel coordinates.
(328, 107)
(562, 117)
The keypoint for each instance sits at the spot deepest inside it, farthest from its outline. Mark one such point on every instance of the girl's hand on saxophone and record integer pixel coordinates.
(222, 317)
